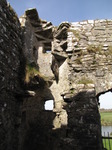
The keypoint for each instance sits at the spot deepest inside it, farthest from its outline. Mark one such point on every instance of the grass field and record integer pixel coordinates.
(106, 144)
(106, 118)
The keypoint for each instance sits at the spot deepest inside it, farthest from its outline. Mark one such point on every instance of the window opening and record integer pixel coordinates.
(49, 105)
(48, 51)
(47, 48)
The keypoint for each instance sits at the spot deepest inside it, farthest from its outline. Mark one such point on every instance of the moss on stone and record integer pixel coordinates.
(85, 81)
(31, 71)
(72, 91)
(94, 49)
(78, 60)
(110, 50)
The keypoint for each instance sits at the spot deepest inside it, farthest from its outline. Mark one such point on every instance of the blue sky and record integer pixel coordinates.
(58, 11)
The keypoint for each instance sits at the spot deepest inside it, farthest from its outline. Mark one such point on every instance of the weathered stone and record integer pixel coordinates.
(61, 33)
(12, 66)
(73, 66)
(91, 21)
(32, 14)
(37, 33)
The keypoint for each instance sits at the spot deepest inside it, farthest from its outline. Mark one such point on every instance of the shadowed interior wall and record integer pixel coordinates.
(11, 75)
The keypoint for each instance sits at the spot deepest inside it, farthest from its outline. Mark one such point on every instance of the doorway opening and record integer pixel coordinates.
(105, 109)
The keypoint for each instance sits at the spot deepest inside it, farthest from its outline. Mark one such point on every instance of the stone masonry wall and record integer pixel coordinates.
(37, 123)
(11, 75)
(91, 46)
(30, 42)
(81, 64)
(81, 69)
(86, 47)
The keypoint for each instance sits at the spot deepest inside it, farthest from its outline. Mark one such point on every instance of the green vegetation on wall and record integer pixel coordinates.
(78, 60)
(32, 74)
(110, 50)
(85, 81)
(94, 49)
(31, 71)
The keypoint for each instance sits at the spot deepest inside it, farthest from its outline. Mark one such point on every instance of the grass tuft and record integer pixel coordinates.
(31, 71)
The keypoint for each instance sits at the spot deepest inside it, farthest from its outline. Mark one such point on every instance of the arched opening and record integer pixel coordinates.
(105, 109)
(105, 100)
(49, 105)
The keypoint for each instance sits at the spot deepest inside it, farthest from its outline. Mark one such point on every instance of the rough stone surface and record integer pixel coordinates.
(11, 75)
(74, 66)
(38, 36)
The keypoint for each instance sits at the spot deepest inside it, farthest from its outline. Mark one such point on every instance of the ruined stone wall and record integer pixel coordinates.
(81, 64)
(88, 51)
(79, 72)
(38, 36)
(37, 123)
(44, 63)
(91, 49)
(30, 42)
(11, 75)
(89, 60)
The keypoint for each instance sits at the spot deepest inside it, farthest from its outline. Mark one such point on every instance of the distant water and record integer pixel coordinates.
(106, 129)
